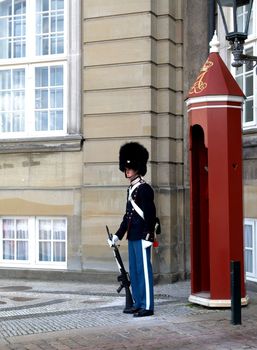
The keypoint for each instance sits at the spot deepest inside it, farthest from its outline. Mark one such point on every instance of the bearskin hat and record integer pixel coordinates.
(133, 156)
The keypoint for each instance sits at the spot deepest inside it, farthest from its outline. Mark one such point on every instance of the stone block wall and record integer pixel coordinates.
(138, 60)
(132, 90)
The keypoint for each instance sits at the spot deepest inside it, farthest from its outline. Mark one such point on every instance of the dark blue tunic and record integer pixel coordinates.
(136, 227)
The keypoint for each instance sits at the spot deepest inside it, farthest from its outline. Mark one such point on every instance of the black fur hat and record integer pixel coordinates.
(133, 156)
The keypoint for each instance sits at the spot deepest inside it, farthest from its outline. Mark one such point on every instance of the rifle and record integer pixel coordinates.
(123, 278)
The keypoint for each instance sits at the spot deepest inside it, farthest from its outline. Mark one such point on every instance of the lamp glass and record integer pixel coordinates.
(236, 15)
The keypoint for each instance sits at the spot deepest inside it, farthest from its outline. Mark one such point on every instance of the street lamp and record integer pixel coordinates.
(238, 32)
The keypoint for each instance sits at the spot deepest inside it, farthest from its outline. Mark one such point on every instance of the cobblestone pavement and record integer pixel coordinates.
(68, 315)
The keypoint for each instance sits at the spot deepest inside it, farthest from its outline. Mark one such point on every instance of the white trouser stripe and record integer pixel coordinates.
(147, 289)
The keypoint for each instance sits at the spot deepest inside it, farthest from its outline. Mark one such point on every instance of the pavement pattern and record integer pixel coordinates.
(40, 315)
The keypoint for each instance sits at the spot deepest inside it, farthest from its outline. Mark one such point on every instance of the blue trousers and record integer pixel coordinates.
(141, 275)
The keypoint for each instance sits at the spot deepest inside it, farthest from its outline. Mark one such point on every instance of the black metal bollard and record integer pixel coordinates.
(235, 275)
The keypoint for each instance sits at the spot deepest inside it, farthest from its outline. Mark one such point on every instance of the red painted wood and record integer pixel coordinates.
(215, 79)
(216, 207)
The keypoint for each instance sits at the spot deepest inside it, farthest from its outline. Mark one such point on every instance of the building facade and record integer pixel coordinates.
(247, 79)
(79, 78)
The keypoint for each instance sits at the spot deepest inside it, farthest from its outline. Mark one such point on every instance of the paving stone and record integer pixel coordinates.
(69, 315)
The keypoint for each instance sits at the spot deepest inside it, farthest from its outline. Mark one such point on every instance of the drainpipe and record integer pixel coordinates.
(211, 18)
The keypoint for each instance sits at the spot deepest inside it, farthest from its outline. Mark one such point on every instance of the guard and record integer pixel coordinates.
(138, 222)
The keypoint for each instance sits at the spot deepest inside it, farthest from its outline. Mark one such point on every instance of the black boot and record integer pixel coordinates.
(131, 310)
(143, 313)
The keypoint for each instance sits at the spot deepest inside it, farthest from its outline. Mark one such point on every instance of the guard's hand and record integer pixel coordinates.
(112, 241)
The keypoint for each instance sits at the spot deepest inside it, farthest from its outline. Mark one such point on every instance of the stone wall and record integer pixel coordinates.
(139, 58)
(132, 90)
(196, 51)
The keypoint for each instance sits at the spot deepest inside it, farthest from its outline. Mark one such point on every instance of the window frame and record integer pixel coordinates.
(33, 245)
(30, 107)
(251, 124)
(250, 42)
(15, 239)
(252, 276)
(70, 139)
(48, 264)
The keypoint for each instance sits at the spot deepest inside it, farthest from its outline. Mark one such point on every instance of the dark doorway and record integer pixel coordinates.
(200, 212)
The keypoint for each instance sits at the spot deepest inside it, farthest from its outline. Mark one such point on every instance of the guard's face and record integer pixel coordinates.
(130, 173)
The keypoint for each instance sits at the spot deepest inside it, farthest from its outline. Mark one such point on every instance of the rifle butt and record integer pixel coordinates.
(129, 300)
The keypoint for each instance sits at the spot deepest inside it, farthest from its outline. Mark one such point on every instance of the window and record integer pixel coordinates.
(39, 46)
(12, 29)
(33, 242)
(33, 33)
(52, 240)
(250, 249)
(49, 27)
(244, 76)
(12, 100)
(15, 239)
(49, 87)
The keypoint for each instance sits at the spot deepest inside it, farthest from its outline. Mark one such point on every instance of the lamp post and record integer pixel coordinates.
(237, 33)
